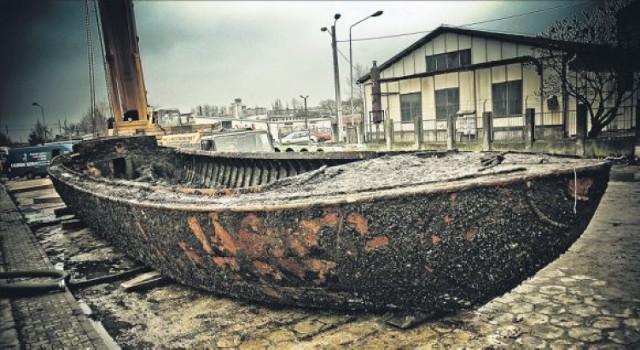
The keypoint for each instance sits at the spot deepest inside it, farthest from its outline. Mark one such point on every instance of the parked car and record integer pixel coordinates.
(303, 136)
(238, 141)
(323, 135)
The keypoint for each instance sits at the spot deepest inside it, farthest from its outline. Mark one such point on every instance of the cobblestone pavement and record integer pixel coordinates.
(51, 320)
(587, 299)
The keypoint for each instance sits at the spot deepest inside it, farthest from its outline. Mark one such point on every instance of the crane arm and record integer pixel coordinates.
(128, 98)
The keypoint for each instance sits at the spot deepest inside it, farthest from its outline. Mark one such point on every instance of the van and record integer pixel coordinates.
(238, 141)
(34, 161)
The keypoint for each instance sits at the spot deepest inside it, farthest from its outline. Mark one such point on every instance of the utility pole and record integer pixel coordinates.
(336, 73)
(336, 78)
(306, 116)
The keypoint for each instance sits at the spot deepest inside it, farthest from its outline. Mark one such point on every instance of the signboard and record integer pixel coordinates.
(467, 125)
(32, 159)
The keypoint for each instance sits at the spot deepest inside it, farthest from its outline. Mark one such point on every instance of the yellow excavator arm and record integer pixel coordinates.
(127, 93)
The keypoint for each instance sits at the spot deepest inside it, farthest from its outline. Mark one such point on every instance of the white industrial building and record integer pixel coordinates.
(463, 72)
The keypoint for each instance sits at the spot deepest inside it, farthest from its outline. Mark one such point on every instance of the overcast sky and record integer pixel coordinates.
(211, 52)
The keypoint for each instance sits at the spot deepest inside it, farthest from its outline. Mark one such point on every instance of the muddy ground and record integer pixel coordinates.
(174, 316)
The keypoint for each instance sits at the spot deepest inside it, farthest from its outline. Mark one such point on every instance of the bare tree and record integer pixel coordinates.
(358, 72)
(329, 105)
(38, 134)
(589, 63)
(5, 140)
(95, 123)
(276, 105)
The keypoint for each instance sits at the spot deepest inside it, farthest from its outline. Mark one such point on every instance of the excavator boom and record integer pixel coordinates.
(125, 81)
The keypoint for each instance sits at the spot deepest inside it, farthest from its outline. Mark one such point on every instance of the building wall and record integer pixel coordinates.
(475, 87)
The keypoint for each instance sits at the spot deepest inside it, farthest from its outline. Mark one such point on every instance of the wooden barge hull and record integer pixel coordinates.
(442, 246)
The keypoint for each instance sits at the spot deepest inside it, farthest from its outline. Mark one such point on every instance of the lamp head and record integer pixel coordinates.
(377, 13)
(336, 16)
(35, 104)
(323, 29)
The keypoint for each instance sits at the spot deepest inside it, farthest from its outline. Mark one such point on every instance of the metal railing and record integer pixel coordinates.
(550, 125)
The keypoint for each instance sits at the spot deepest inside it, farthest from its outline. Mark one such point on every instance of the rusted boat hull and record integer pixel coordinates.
(444, 247)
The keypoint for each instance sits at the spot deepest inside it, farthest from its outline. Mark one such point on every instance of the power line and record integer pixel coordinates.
(468, 24)
(522, 14)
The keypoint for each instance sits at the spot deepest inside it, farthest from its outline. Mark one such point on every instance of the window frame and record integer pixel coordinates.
(448, 105)
(509, 111)
(447, 62)
(415, 107)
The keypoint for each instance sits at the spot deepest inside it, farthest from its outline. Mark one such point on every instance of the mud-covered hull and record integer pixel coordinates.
(438, 247)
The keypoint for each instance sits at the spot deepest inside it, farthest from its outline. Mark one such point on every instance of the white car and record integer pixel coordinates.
(303, 136)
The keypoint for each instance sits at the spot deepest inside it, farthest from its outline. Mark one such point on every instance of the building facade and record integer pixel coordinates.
(466, 73)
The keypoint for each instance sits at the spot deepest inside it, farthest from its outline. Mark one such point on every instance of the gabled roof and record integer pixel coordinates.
(515, 38)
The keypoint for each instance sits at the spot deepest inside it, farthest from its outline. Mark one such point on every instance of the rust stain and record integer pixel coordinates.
(266, 270)
(448, 219)
(311, 228)
(294, 267)
(253, 244)
(252, 223)
(469, 235)
(296, 245)
(225, 238)
(453, 197)
(197, 231)
(331, 217)
(92, 170)
(141, 230)
(160, 254)
(261, 267)
(270, 292)
(230, 191)
(224, 263)
(359, 222)
(193, 256)
(322, 268)
(580, 189)
(277, 251)
(435, 239)
(377, 242)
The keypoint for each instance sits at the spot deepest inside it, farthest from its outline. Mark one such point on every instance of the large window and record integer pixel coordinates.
(507, 99)
(410, 106)
(449, 60)
(447, 102)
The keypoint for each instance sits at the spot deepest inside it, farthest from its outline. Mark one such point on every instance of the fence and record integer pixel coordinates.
(434, 131)
(550, 125)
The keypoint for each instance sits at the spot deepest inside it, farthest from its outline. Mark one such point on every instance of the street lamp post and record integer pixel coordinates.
(44, 124)
(306, 116)
(336, 73)
(375, 14)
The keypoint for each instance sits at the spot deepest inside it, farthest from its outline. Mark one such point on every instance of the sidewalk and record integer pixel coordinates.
(52, 320)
